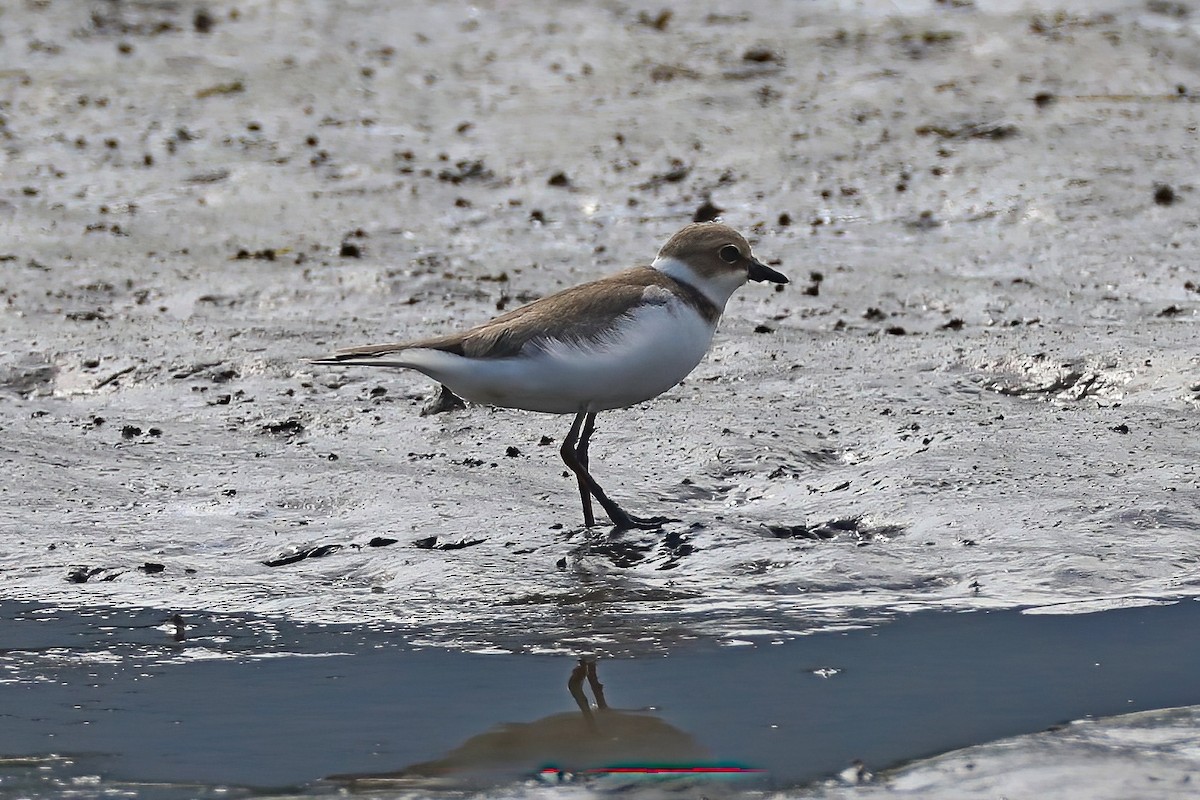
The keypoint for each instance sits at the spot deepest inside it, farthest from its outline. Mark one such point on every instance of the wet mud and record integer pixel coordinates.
(979, 390)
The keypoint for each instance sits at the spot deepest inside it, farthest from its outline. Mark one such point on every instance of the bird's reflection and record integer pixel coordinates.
(587, 669)
(594, 738)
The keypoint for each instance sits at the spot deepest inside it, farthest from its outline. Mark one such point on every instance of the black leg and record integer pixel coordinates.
(581, 457)
(571, 456)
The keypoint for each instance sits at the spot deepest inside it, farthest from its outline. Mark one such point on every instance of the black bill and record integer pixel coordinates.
(761, 272)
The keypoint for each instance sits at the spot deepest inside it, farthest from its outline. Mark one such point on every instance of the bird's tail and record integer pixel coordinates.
(375, 355)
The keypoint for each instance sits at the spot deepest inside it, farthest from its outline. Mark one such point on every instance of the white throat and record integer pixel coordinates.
(717, 288)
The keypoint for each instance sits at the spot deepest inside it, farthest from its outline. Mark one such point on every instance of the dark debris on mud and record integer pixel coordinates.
(298, 554)
(624, 551)
(852, 528)
(436, 543)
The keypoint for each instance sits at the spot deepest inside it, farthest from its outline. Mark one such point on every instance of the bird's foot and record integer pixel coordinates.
(623, 521)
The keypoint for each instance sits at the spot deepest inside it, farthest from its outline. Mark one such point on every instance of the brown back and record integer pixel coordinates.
(582, 313)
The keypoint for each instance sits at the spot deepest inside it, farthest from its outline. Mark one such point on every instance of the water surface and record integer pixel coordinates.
(258, 702)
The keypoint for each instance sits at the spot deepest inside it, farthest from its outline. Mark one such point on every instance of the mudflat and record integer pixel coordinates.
(980, 391)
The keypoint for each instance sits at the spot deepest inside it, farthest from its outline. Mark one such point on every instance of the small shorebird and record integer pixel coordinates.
(611, 343)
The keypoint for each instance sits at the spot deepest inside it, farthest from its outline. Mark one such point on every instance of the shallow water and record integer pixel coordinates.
(257, 702)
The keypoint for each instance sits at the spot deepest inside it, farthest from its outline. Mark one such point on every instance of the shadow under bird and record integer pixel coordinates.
(611, 343)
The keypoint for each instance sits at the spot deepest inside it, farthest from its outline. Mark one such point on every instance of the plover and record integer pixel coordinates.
(611, 343)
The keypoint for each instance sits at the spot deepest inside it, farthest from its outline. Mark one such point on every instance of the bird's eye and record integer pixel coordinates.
(730, 254)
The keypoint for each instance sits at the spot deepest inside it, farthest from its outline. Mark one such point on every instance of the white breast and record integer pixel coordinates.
(648, 352)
